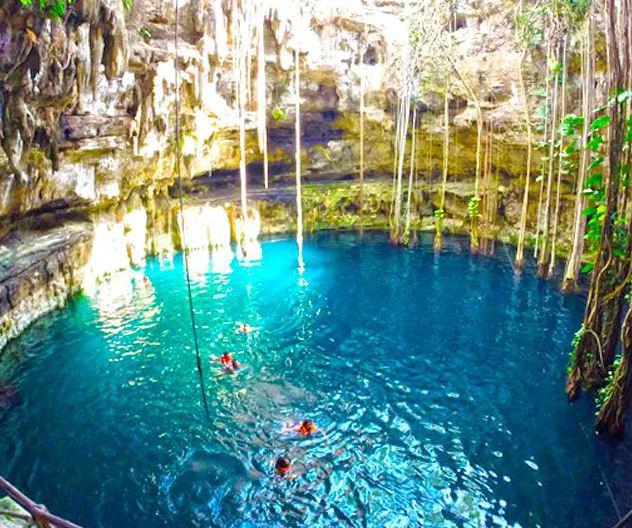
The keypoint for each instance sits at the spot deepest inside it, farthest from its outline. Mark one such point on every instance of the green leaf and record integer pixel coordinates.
(278, 114)
(58, 9)
(588, 267)
(600, 123)
(594, 143)
(597, 162)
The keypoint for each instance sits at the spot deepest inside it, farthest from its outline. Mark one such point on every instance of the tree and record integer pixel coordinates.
(596, 342)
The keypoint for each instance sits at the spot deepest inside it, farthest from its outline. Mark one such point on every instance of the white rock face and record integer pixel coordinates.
(205, 227)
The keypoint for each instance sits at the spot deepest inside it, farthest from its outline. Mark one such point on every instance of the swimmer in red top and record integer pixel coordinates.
(282, 466)
(226, 359)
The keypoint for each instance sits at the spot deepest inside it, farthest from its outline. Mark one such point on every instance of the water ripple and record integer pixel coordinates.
(435, 380)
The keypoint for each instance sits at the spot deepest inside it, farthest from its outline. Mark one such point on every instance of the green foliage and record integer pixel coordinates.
(605, 393)
(599, 123)
(439, 213)
(555, 66)
(571, 125)
(128, 4)
(145, 33)
(406, 237)
(595, 188)
(278, 114)
(54, 9)
(473, 207)
(572, 357)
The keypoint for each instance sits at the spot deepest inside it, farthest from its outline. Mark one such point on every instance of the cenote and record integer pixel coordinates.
(438, 380)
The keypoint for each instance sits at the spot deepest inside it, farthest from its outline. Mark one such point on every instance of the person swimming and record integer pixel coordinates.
(307, 427)
(244, 328)
(304, 428)
(233, 366)
(226, 359)
(282, 466)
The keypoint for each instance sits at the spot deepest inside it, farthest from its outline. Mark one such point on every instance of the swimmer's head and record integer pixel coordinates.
(307, 427)
(282, 466)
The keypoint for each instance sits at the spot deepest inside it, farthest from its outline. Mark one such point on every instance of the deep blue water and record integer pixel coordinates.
(437, 379)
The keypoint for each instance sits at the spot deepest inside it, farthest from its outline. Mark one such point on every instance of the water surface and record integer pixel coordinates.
(438, 381)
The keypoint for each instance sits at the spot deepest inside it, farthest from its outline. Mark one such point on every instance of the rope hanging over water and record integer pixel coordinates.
(183, 230)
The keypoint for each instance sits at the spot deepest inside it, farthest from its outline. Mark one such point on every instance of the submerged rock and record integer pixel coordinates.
(208, 487)
(9, 397)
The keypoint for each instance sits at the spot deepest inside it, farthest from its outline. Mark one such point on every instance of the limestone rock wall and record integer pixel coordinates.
(87, 103)
(38, 273)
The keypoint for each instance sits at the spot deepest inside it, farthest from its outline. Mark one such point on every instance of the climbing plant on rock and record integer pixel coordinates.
(52, 8)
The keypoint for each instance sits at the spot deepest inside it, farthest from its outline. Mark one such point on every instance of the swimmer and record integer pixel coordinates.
(226, 359)
(244, 328)
(233, 366)
(282, 466)
(146, 280)
(304, 428)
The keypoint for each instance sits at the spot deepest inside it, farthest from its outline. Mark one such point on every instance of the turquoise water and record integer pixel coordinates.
(438, 381)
